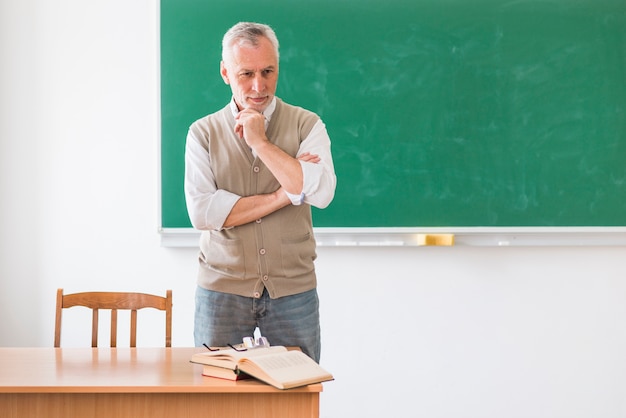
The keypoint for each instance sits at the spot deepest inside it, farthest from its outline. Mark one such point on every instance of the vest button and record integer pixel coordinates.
(258, 221)
(262, 251)
(256, 169)
(257, 295)
(265, 277)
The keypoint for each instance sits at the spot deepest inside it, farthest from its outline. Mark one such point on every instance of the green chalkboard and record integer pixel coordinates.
(441, 113)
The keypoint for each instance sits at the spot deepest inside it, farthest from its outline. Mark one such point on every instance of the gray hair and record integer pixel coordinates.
(247, 33)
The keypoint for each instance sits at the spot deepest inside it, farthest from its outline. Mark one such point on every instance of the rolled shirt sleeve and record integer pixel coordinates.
(319, 178)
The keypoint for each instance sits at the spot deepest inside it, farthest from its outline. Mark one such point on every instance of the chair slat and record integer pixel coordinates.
(94, 328)
(133, 328)
(113, 327)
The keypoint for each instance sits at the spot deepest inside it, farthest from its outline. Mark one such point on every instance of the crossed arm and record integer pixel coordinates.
(250, 208)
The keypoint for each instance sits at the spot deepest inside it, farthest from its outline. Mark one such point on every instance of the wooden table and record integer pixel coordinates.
(135, 383)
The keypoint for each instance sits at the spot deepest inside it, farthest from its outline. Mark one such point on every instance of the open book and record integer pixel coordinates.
(277, 366)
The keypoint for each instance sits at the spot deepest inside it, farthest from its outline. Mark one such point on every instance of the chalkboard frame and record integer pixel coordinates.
(463, 237)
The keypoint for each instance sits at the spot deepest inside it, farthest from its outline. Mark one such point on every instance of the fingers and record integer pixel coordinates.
(239, 130)
(307, 157)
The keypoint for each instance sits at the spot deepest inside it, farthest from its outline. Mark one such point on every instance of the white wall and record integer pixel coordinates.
(435, 332)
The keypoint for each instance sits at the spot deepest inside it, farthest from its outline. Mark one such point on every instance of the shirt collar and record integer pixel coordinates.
(268, 112)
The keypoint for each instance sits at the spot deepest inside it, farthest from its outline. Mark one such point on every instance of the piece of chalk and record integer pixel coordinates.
(435, 239)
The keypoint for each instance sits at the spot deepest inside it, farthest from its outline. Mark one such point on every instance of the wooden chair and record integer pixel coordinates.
(114, 301)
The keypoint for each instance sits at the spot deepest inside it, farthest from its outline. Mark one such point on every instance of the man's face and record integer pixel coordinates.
(252, 73)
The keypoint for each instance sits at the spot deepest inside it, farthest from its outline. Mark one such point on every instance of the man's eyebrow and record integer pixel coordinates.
(248, 70)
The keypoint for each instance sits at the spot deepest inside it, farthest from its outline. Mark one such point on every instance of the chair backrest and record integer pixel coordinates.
(114, 301)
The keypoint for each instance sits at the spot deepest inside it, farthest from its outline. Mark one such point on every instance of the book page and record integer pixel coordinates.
(270, 363)
(285, 370)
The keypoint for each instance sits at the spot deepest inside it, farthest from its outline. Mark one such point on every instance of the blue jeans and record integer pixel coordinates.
(222, 319)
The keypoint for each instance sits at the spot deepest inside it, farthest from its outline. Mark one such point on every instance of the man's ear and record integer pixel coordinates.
(224, 72)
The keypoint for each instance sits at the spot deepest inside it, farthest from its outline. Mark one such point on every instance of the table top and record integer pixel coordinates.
(115, 370)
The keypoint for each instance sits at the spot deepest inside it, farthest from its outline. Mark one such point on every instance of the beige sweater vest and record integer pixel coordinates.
(276, 252)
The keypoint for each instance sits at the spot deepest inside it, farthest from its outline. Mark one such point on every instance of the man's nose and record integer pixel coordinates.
(258, 83)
